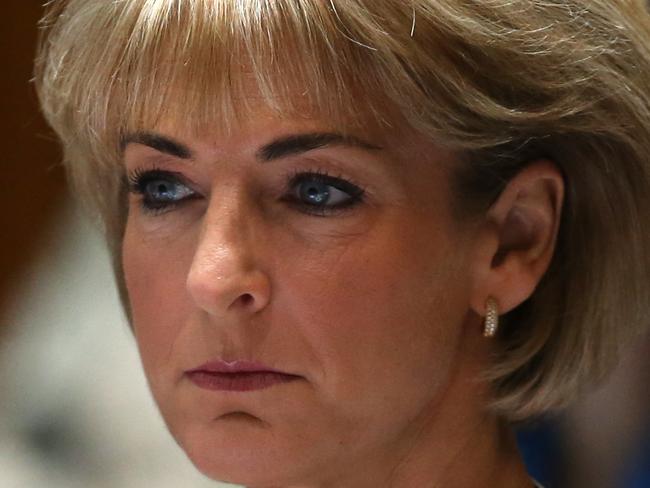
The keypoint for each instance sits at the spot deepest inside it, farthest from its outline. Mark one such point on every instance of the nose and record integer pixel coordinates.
(224, 276)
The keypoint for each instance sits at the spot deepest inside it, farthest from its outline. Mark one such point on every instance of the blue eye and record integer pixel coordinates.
(315, 193)
(318, 193)
(160, 190)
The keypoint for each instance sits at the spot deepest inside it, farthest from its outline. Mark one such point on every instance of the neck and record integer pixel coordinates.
(483, 453)
(458, 443)
(451, 447)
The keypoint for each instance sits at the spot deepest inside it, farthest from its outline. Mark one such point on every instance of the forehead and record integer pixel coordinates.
(214, 74)
(397, 142)
(247, 105)
(251, 110)
(212, 66)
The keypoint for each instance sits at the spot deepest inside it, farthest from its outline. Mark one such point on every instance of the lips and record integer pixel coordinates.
(237, 376)
(221, 366)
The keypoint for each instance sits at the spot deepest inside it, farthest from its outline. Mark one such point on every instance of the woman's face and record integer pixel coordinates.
(241, 255)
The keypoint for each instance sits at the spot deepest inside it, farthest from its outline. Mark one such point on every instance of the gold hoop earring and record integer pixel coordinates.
(491, 318)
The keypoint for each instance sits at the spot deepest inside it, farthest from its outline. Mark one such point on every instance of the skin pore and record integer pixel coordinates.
(377, 307)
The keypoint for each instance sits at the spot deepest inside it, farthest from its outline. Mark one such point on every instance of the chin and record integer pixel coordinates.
(239, 454)
(249, 473)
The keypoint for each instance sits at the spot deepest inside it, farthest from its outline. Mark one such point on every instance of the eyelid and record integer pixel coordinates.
(137, 175)
(355, 193)
(297, 174)
(136, 182)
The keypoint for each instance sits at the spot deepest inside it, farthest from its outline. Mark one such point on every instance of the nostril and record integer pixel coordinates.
(218, 293)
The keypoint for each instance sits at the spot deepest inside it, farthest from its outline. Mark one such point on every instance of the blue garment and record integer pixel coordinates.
(541, 448)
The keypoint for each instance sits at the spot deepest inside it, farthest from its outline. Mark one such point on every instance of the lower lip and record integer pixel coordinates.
(238, 381)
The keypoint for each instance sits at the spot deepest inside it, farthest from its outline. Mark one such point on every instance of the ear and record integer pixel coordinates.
(517, 237)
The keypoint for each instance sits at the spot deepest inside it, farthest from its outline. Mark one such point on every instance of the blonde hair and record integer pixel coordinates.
(501, 82)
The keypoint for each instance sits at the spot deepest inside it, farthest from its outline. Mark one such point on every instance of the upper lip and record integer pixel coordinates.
(238, 366)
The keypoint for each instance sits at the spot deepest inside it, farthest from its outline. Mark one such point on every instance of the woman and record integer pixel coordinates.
(357, 239)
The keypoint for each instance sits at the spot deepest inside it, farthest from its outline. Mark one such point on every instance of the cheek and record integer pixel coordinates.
(388, 317)
(154, 276)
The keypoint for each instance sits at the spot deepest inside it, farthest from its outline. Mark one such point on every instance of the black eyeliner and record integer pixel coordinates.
(355, 192)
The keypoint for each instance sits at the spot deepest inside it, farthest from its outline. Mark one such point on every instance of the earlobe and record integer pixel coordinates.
(518, 236)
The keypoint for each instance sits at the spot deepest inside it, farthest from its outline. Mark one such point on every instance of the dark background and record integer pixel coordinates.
(32, 185)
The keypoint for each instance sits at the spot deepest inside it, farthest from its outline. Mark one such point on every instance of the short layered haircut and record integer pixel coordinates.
(501, 82)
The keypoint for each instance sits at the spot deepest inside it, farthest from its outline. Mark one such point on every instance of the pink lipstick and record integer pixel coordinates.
(237, 376)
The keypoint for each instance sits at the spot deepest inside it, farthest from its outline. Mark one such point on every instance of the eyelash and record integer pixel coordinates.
(138, 180)
(354, 191)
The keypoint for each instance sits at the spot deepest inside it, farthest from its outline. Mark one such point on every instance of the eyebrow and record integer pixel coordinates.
(299, 143)
(276, 149)
(159, 143)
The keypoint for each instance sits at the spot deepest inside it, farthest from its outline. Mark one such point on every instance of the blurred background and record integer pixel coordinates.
(75, 410)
